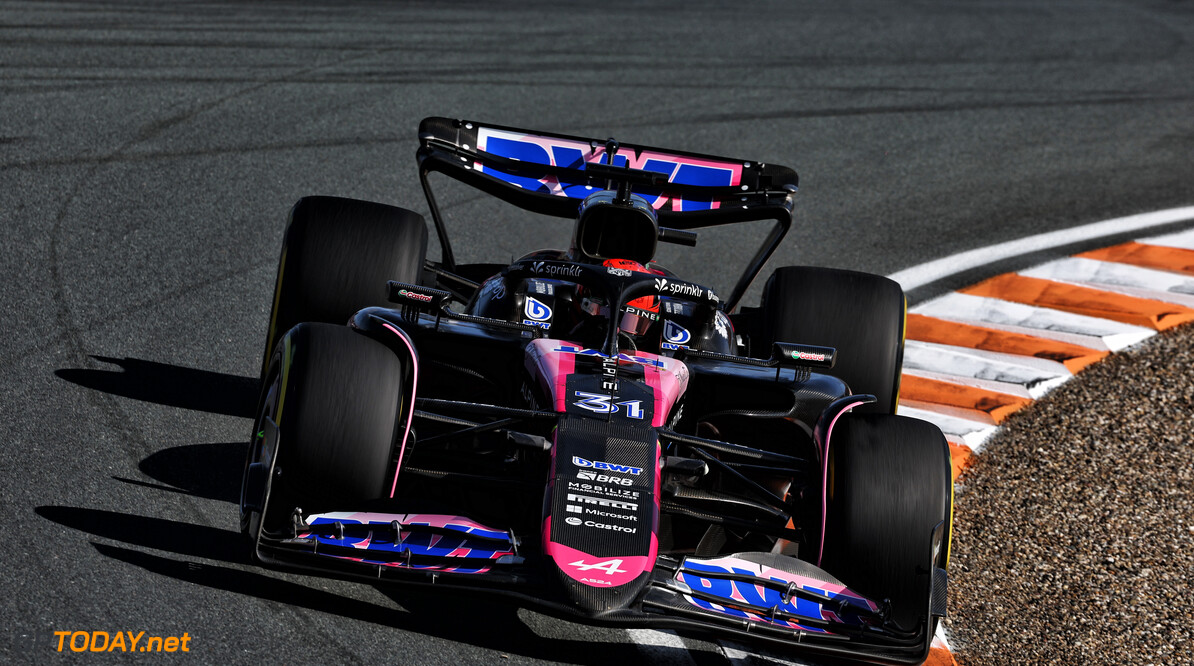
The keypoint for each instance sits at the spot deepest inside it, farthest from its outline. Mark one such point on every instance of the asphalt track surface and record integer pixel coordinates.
(149, 153)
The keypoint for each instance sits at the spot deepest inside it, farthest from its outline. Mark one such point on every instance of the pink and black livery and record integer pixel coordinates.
(683, 462)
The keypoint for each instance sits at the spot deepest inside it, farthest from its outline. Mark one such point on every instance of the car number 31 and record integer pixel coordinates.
(605, 404)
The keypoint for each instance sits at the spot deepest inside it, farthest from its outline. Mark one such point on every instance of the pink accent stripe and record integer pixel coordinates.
(410, 416)
(825, 476)
(652, 376)
(565, 366)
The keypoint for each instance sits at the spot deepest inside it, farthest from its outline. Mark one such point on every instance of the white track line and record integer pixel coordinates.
(927, 273)
(1181, 239)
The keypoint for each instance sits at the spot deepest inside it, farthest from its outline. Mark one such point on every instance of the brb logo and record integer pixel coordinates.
(553, 151)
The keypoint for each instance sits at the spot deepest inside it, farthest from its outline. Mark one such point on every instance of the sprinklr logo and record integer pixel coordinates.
(555, 269)
(679, 289)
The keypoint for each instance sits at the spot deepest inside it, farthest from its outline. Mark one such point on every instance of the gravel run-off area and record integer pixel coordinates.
(1074, 529)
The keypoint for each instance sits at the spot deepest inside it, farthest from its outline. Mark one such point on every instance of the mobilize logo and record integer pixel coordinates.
(555, 269)
(415, 296)
(616, 493)
(598, 464)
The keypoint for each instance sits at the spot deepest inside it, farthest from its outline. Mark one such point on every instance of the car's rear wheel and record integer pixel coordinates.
(889, 485)
(859, 314)
(337, 255)
(335, 396)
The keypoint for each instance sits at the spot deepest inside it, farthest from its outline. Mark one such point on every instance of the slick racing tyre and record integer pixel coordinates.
(337, 256)
(860, 314)
(335, 396)
(888, 486)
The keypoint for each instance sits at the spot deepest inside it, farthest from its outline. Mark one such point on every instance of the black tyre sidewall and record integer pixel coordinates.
(859, 314)
(339, 418)
(337, 255)
(890, 484)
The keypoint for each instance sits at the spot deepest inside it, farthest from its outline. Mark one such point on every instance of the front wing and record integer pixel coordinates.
(750, 596)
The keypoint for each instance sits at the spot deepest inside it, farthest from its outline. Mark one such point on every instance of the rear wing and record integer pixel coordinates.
(550, 174)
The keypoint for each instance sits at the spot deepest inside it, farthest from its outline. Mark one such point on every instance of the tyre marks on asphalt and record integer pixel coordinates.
(976, 356)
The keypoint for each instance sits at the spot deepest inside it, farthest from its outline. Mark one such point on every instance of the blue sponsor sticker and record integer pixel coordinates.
(609, 467)
(675, 336)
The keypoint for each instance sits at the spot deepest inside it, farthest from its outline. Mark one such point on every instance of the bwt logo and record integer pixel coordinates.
(675, 336)
(552, 151)
(610, 467)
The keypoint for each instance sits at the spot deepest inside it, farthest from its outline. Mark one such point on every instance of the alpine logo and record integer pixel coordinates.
(597, 464)
(639, 312)
(555, 269)
(608, 566)
(622, 356)
(675, 336)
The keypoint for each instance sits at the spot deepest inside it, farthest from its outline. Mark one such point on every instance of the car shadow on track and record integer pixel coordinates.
(171, 385)
(431, 613)
(209, 471)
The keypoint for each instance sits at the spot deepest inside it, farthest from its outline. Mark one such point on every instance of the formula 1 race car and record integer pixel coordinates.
(587, 432)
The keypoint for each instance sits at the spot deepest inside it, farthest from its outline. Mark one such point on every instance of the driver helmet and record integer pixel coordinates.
(639, 313)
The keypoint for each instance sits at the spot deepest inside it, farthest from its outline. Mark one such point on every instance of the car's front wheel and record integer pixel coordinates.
(335, 395)
(888, 487)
